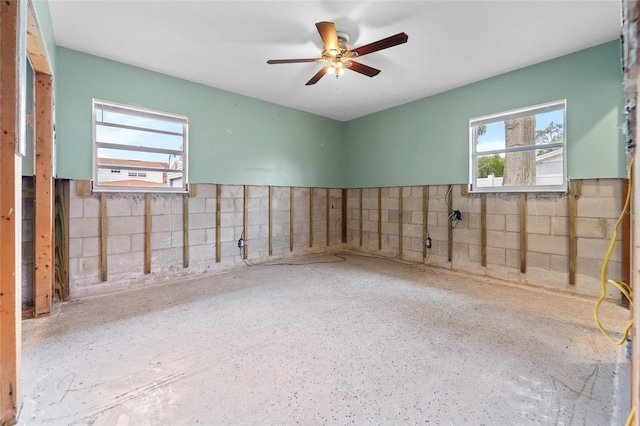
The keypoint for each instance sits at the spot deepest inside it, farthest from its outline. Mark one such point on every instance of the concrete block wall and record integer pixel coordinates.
(126, 233)
(547, 251)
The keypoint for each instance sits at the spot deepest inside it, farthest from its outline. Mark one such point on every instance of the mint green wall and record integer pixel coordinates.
(427, 141)
(233, 139)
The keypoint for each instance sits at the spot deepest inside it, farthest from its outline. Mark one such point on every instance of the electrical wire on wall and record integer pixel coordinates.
(454, 215)
(624, 288)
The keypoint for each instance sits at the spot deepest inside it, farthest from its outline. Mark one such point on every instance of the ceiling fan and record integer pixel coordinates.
(339, 55)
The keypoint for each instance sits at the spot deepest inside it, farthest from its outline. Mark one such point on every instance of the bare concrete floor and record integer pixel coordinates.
(364, 341)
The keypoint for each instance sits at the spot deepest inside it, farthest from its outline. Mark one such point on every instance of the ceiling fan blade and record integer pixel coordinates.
(327, 31)
(290, 61)
(363, 69)
(385, 43)
(318, 76)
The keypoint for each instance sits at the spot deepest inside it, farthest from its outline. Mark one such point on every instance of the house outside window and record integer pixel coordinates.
(519, 150)
(138, 150)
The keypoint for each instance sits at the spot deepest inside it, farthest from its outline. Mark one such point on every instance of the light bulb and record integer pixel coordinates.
(340, 71)
(330, 69)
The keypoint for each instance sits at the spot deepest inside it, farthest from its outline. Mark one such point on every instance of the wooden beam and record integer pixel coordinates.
(43, 267)
(328, 216)
(625, 273)
(360, 218)
(483, 229)
(35, 44)
(245, 223)
(400, 218)
(147, 233)
(10, 224)
(270, 220)
(310, 217)
(379, 218)
(343, 216)
(291, 216)
(218, 248)
(103, 236)
(574, 194)
(193, 189)
(523, 232)
(450, 225)
(61, 236)
(83, 188)
(185, 230)
(425, 219)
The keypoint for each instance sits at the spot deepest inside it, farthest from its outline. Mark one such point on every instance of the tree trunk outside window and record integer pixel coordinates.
(520, 167)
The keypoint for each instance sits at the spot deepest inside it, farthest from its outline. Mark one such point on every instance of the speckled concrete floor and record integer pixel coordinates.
(361, 341)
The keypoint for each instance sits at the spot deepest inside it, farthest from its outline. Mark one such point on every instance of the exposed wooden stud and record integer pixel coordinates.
(103, 236)
(270, 220)
(291, 216)
(193, 189)
(218, 200)
(360, 218)
(245, 224)
(185, 230)
(625, 273)
(574, 193)
(10, 223)
(328, 216)
(83, 188)
(400, 218)
(35, 44)
(147, 233)
(425, 219)
(464, 190)
(310, 217)
(343, 216)
(483, 229)
(450, 227)
(43, 268)
(379, 218)
(61, 239)
(523, 232)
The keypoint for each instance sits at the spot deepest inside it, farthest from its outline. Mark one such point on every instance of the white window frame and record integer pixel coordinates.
(97, 104)
(523, 112)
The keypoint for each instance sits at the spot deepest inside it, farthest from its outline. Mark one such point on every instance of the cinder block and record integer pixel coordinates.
(592, 248)
(460, 251)
(538, 225)
(231, 219)
(118, 205)
(592, 227)
(197, 205)
(503, 204)
(137, 243)
(232, 191)
(91, 207)
(496, 256)
(206, 190)
(512, 258)
(554, 205)
(512, 223)
(160, 240)
(75, 248)
(601, 207)
(76, 207)
(90, 247)
(227, 205)
(210, 236)
(88, 266)
(254, 204)
(137, 205)
(202, 220)
(177, 239)
(117, 244)
(559, 226)
(123, 225)
(560, 263)
(196, 237)
(538, 260)
(210, 205)
(84, 227)
(468, 236)
(552, 244)
(475, 253)
(496, 222)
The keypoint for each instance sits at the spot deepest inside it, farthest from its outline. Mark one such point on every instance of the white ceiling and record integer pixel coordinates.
(226, 44)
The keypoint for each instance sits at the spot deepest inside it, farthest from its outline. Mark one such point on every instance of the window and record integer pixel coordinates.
(137, 149)
(521, 150)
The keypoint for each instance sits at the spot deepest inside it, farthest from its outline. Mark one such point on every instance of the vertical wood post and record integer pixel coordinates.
(523, 232)
(328, 216)
(400, 218)
(245, 222)
(344, 215)
(10, 225)
(103, 236)
(483, 228)
(360, 218)
(379, 218)
(625, 273)
(218, 248)
(310, 217)
(270, 220)
(185, 230)
(450, 227)
(291, 216)
(61, 236)
(425, 219)
(43, 184)
(574, 194)
(147, 233)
